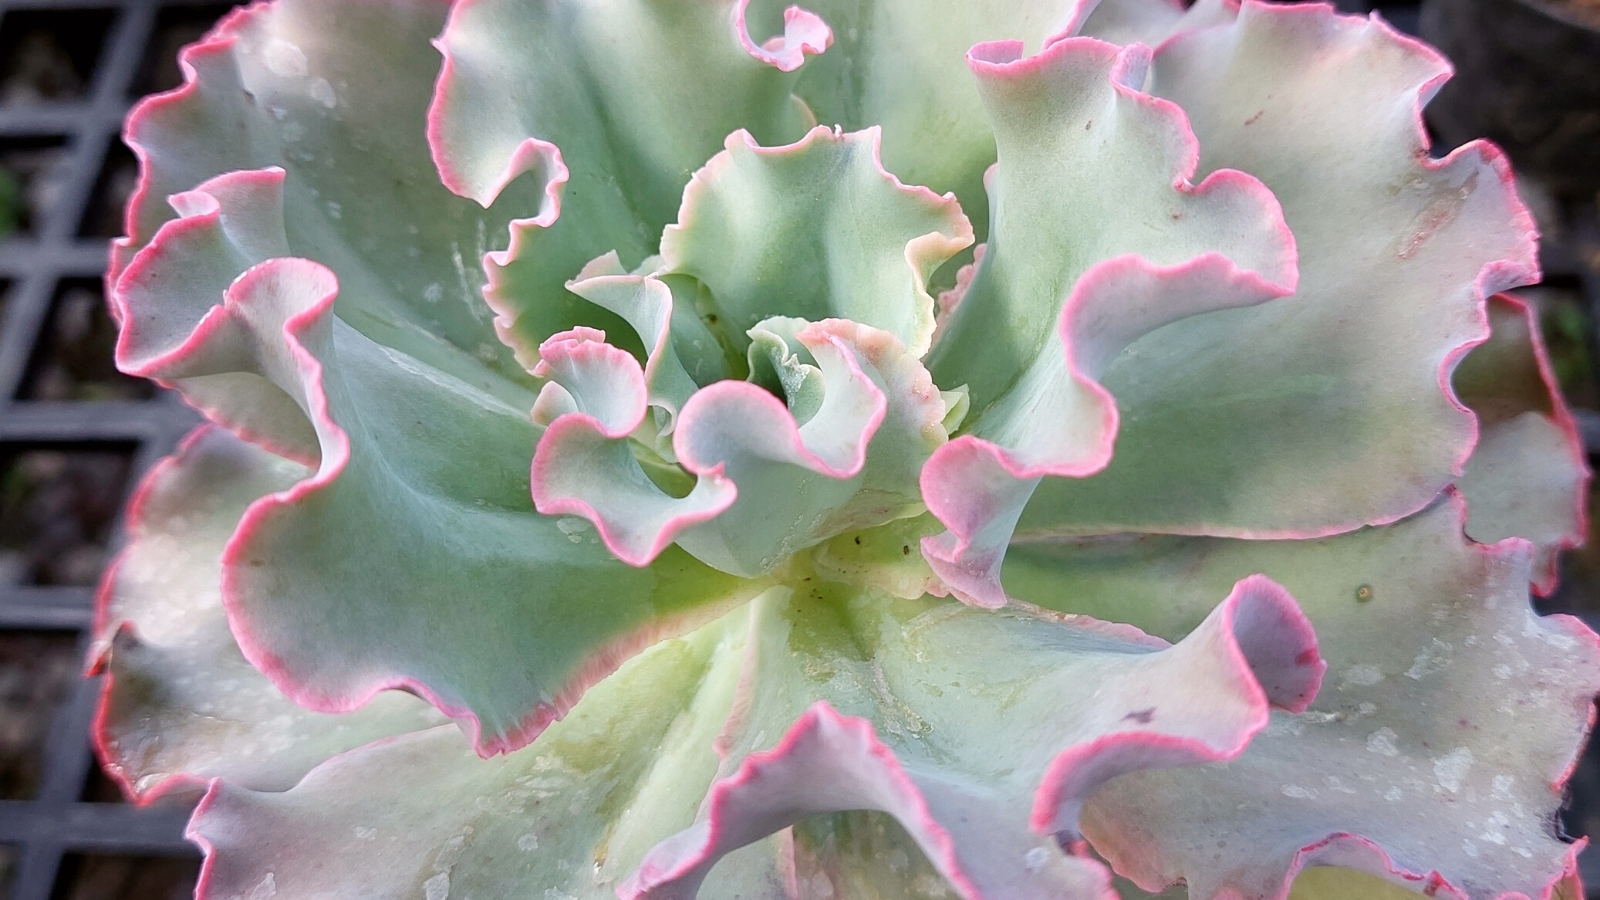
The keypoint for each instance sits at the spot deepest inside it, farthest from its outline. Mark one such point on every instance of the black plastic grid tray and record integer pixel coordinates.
(77, 436)
(73, 437)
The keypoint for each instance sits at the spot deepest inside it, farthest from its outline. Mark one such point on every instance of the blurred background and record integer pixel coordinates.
(75, 435)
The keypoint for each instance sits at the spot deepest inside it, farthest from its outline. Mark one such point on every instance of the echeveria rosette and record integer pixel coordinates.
(583, 381)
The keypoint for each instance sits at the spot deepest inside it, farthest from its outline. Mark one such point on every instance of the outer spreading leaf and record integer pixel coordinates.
(1451, 717)
(570, 814)
(422, 816)
(1527, 476)
(335, 587)
(337, 95)
(1064, 285)
(184, 705)
(1275, 420)
(955, 720)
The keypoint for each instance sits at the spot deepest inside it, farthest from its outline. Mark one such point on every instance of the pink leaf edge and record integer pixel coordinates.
(1547, 575)
(967, 558)
(827, 761)
(311, 315)
(1355, 851)
(569, 432)
(105, 630)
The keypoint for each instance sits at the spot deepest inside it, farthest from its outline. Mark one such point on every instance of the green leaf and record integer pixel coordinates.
(956, 720)
(613, 106)
(569, 816)
(183, 705)
(339, 587)
(899, 65)
(1330, 409)
(814, 230)
(336, 95)
(1450, 711)
(1528, 475)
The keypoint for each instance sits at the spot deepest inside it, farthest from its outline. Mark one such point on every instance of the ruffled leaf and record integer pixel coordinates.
(1450, 720)
(334, 586)
(898, 65)
(182, 705)
(337, 96)
(1271, 421)
(851, 464)
(585, 464)
(957, 721)
(422, 816)
(681, 354)
(1528, 476)
(1152, 22)
(814, 230)
(613, 106)
(1073, 286)
(578, 809)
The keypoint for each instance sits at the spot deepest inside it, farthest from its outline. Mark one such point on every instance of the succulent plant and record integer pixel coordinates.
(936, 450)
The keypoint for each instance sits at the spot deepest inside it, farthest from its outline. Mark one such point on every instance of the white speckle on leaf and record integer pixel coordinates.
(322, 92)
(1297, 792)
(1560, 641)
(285, 59)
(1502, 785)
(1431, 659)
(1394, 793)
(1035, 859)
(364, 833)
(1335, 783)
(1383, 742)
(1494, 829)
(437, 887)
(1361, 676)
(1469, 848)
(1367, 709)
(1451, 768)
(1523, 852)
(528, 843)
(293, 131)
(1502, 671)
(335, 211)
(433, 293)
